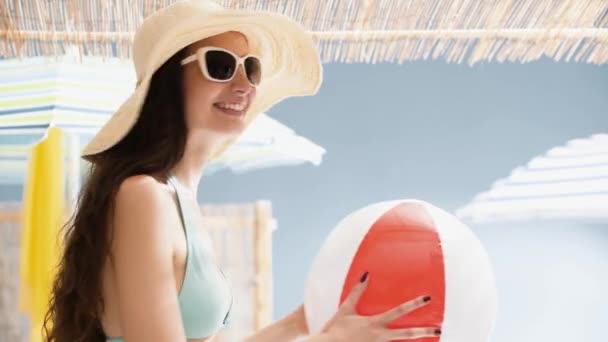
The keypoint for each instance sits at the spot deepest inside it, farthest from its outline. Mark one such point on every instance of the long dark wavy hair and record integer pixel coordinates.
(153, 146)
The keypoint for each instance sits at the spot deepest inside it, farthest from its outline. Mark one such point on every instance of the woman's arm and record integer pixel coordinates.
(288, 328)
(142, 258)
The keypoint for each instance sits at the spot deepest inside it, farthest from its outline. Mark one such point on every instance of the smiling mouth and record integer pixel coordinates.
(235, 109)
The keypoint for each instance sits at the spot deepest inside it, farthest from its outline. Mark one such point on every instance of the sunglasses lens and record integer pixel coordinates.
(254, 70)
(220, 65)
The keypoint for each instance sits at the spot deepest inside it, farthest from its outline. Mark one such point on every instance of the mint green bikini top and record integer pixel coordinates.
(205, 299)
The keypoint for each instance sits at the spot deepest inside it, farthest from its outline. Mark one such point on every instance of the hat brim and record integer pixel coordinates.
(290, 63)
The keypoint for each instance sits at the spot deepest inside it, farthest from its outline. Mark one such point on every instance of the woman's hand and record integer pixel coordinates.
(347, 325)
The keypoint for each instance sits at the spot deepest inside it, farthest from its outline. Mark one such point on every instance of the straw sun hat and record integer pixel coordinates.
(289, 58)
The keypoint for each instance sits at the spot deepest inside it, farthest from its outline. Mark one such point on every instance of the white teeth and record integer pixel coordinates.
(233, 106)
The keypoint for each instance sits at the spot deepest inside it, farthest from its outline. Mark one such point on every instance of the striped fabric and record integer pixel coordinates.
(568, 182)
(38, 93)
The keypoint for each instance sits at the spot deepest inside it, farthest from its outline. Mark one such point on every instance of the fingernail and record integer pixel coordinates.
(437, 332)
(426, 299)
(364, 277)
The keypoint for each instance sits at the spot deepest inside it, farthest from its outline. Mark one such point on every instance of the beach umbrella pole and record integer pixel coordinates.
(73, 169)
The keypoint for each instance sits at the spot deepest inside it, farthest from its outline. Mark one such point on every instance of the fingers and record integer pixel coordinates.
(403, 309)
(350, 303)
(411, 333)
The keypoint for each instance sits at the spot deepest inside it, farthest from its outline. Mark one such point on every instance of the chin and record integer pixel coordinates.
(228, 130)
(221, 125)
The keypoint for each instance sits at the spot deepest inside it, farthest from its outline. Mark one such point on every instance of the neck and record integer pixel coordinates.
(189, 173)
(197, 154)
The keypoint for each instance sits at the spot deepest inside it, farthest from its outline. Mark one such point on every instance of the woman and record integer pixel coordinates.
(137, 265)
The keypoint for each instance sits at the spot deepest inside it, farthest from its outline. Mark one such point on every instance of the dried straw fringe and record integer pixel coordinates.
(368, 31)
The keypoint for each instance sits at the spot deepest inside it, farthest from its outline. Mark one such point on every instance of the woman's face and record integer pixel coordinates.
(217, 108)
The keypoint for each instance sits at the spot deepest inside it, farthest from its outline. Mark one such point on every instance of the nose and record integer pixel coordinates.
(240, 83)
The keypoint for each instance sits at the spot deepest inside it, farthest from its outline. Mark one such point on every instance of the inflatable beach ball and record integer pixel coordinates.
(410, 248)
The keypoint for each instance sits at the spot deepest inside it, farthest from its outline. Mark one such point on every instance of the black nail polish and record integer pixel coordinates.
(426, 299)
(364, 277)
(437, 332)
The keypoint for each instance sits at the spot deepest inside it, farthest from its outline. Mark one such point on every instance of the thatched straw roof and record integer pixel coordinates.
(347, 30)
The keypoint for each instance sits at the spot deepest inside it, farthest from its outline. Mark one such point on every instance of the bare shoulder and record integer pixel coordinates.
(142, 192)
(140, 187)
(141, 208)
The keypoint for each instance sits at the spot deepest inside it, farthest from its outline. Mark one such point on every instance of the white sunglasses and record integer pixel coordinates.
(221, 65)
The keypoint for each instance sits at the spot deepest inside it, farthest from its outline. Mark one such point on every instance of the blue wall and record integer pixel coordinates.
(442, 133)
